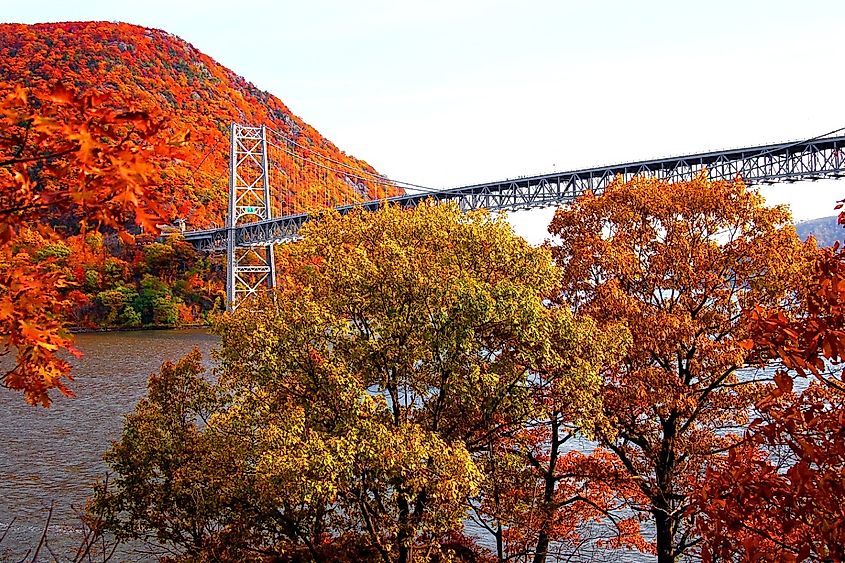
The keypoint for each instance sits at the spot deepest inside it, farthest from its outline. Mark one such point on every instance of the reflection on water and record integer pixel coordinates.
(54, 455)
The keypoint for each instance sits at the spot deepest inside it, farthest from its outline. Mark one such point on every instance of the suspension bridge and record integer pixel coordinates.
(251, 230)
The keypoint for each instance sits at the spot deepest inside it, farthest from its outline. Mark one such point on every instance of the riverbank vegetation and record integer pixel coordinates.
(424, 386)
(131, 282)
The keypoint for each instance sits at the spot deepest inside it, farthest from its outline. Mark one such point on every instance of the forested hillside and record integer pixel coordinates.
(124, 282)
(826, 230)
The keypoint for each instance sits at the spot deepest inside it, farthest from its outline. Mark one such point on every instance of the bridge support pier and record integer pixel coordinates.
(249, 267)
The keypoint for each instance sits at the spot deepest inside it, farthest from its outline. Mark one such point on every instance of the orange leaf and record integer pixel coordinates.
(60, 94)
(783, 381)
(126, 238)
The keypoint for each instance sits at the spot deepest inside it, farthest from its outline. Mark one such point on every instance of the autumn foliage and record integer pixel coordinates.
(355, 408)
(679, 265)
(159, 72)
(90, 114)
(665, 377)
(419, 369)
(63, 157)
(782, 497)
(117, 66)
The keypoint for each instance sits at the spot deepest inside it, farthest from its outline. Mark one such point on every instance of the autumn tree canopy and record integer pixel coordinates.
(546, 496)
(782, 496)
(78, 160)
(354, 404)
(678, 264)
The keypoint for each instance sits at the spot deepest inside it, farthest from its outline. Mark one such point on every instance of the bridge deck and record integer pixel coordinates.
(805, 160)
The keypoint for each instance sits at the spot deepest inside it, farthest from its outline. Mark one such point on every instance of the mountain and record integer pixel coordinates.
(156, 70)
(827, 230)
(138, 281)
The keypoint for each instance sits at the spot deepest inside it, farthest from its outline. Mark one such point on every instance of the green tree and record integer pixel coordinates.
(118, 304)
(57, 251)
(155, 302)
(160, 260)
(92, 281)
(166, 310)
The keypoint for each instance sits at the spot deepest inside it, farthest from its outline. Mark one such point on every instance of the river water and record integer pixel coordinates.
(54, 455)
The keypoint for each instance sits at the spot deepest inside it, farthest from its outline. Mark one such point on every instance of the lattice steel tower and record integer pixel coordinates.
(249, 267)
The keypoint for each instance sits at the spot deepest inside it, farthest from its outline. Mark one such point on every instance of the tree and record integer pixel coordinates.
(546, 500)
(543, 497)
(162, 433)
(71, 160)
(355, 402)
(678, 263)
(783, 497)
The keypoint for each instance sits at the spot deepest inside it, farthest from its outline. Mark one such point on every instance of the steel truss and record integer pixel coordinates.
(785, 162)
(249, 268)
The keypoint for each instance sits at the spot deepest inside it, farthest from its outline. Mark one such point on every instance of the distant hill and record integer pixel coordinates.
(826, 230)
(158, 70)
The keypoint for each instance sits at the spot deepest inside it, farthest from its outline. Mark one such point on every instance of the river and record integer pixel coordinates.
(54, 455)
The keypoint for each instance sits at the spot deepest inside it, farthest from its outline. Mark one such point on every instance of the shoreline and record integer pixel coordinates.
(89, 330)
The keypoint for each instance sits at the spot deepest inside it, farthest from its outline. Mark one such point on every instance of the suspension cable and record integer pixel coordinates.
(358, 173)
(373, 178)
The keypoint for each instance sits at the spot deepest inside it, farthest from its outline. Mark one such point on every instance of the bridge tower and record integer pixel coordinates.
(249, 267)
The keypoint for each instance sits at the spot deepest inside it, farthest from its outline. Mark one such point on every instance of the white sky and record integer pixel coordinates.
(445, 93)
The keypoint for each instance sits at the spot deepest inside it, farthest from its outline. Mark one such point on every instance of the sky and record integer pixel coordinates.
(445, 93)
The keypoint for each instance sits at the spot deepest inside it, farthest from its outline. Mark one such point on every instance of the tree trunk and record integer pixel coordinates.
(665, 536)
(665, 519)
(542, 547)
(403, 536)
(549, 483)
(500, 548)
